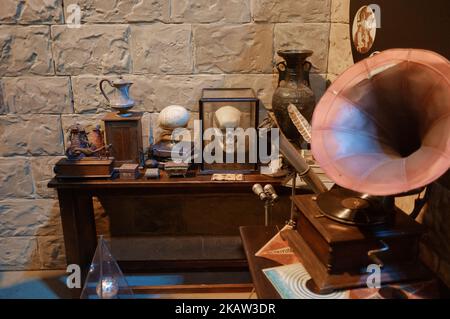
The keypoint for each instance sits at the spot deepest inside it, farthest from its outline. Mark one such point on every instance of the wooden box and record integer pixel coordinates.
(128, 171)
(84, 168)
(176, 169)
(125, 135)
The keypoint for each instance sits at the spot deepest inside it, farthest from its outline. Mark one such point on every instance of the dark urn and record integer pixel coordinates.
(293, 87)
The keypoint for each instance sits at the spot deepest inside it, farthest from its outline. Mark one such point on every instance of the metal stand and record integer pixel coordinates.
(292, 220)
(270, 197)
(268, 204)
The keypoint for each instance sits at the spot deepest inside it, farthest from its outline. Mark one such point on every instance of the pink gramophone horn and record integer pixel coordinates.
(383, 127)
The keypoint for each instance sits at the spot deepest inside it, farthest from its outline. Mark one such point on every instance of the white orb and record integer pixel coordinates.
(173, 116)
(107, 288)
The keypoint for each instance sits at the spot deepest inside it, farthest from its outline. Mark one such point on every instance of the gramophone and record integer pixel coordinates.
(381, 130)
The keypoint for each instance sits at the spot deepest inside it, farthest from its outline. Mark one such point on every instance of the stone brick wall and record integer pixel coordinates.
(340, 51)
(170, 49)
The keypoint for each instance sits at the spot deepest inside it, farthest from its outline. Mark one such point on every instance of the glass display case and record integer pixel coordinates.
(229, 138)
(105, 279)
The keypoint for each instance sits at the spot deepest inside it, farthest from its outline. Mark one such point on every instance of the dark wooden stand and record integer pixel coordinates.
(77, 214)
(125, 135)
(88, 167)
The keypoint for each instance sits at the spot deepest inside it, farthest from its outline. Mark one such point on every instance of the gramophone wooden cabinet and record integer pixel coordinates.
(336, 255)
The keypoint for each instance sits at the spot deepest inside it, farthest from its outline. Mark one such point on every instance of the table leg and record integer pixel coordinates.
(80, 236)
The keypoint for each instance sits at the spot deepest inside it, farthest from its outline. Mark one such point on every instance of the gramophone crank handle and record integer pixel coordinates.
(373, 253)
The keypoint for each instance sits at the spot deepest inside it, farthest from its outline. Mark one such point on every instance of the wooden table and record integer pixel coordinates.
(77, 213)
(253, 238)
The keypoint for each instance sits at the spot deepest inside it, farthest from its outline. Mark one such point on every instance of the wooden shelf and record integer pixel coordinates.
(201, 181)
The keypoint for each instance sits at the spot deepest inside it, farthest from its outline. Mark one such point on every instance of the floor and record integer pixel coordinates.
(52, 284)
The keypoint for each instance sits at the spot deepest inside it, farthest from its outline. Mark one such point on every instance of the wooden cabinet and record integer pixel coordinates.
(125, 135)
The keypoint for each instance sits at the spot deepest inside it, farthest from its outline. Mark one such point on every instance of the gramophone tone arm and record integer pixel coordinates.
(294, 157)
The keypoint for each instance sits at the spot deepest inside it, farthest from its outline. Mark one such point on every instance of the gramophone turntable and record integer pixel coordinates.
(381, 130)
(353, 208)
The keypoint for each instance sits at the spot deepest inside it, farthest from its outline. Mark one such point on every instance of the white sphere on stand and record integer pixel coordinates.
(173, 116)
